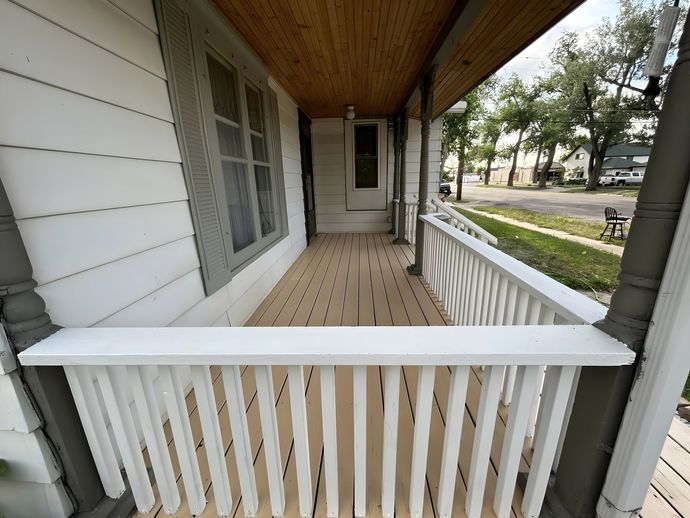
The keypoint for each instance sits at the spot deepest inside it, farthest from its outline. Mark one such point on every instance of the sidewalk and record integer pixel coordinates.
(593, 243)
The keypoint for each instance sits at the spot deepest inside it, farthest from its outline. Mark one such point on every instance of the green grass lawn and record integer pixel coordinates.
(629, 191)
(575, 265)
(575, 226)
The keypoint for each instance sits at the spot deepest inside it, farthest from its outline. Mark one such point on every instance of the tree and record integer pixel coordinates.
(490, 132)
(517, 111)
(461, 129)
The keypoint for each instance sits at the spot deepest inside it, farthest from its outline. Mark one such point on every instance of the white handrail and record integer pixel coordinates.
(154, 367)
(468, 225)
(472, 345)
(571, 306)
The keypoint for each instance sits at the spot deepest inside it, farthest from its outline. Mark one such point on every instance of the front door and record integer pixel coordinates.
(307, 174)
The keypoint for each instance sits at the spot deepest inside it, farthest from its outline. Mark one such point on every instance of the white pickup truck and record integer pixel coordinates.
(622, 178)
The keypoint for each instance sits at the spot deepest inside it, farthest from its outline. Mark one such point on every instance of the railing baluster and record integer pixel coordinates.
(493, 298)
(499, 314)
(474, 290)
(460, 306)
(213, 441)
(360, 438)
(559, 381)
(468, 296)
(514, 438)
(566, 418)
(451, 441)
(481, 291)
(451, 303)
(300, 433)
(232, 381)
(269, 428)
(522, 308)
(330, 441)
(117, 404)
(420, 445)
(81, 384)
(173, 395)
(141, 380)
(483, 437)
(391, 402)
(512, 317)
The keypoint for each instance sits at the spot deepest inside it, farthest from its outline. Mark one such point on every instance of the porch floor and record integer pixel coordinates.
(360, 279)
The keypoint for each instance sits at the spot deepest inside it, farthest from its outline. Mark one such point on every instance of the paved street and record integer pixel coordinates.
(553, 201)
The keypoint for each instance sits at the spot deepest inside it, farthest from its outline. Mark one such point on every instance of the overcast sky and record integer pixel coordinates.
(583, 19)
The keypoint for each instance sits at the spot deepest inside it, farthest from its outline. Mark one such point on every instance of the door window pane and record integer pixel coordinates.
(264, 194)
(366, 156)
(239, 204)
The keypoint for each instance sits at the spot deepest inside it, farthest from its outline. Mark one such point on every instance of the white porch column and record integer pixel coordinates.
(663, 371)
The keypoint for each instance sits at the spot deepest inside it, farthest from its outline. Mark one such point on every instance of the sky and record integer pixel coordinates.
(583, 19)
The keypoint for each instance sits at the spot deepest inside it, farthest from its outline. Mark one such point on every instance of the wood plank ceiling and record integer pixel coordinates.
(331, 53)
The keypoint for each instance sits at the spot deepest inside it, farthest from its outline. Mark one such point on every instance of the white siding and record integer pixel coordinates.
(90, 162)
(328, 141)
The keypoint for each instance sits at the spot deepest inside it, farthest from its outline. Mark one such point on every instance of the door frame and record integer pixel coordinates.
(307, 166)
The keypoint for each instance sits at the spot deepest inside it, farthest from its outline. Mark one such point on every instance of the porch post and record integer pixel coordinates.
(402, 209)
(23, 315)
(427, 97)
(396, 169)
(603, 393)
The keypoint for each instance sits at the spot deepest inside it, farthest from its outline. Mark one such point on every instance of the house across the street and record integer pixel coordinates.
(628, 157)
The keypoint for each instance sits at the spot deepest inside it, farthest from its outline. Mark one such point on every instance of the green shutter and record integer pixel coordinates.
(178, 52)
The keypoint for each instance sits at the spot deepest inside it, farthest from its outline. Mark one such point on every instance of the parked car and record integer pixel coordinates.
(627, 178)
(444, 188)
(607, 179)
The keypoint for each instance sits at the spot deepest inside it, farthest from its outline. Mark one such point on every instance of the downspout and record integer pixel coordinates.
(603, 392)
(402, 208)
(426, 90)
(22, 314)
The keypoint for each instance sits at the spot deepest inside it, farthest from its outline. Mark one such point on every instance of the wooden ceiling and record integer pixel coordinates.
(331, 53)
(502, 30)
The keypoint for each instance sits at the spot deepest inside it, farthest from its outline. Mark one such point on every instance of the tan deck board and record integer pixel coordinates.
(360, 279)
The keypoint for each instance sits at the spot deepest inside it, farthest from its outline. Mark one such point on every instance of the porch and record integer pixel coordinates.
(260, 431)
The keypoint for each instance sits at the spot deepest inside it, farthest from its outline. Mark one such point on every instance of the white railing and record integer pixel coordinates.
(478, 285)
(463, 223)
(109, 368)
(411, 207)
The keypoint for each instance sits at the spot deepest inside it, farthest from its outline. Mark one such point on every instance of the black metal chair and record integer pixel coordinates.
(613, 221)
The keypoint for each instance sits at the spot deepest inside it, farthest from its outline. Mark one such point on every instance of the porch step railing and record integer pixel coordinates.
(107, 369)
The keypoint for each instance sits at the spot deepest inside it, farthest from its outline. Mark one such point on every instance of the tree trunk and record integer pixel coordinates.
(513, 167)
(458, 177)
(544, 173)
(535, 171)
(487, 173)
(444, 157)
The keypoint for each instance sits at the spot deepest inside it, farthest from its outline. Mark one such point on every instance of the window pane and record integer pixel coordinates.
(256, 123)
(223, 89)
(366, 157)
(239, 205)
(229, 140)
(264, 193)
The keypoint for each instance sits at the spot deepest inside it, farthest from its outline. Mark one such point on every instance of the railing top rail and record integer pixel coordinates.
(567, 302)
(465, 221)
(518, 345)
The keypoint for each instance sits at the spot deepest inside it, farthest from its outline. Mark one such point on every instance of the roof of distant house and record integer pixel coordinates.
(555, 166)
(619, 150)
(620, 163)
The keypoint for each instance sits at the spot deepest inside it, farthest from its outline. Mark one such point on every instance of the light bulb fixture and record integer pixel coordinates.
(350, 114)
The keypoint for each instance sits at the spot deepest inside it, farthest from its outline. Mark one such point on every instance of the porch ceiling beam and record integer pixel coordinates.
(463, 14)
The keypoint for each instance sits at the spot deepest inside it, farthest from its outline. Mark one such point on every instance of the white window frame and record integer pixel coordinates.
(212, 36)
(366, 198)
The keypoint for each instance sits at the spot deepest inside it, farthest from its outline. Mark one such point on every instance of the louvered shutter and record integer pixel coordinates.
(176, 39)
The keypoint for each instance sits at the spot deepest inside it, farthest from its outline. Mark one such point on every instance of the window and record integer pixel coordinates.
(636, 174)
(227, 124)
(366, 156)
(579, 156)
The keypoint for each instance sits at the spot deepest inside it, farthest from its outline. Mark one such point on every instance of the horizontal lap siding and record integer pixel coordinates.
(90, 161)
(328, 140)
